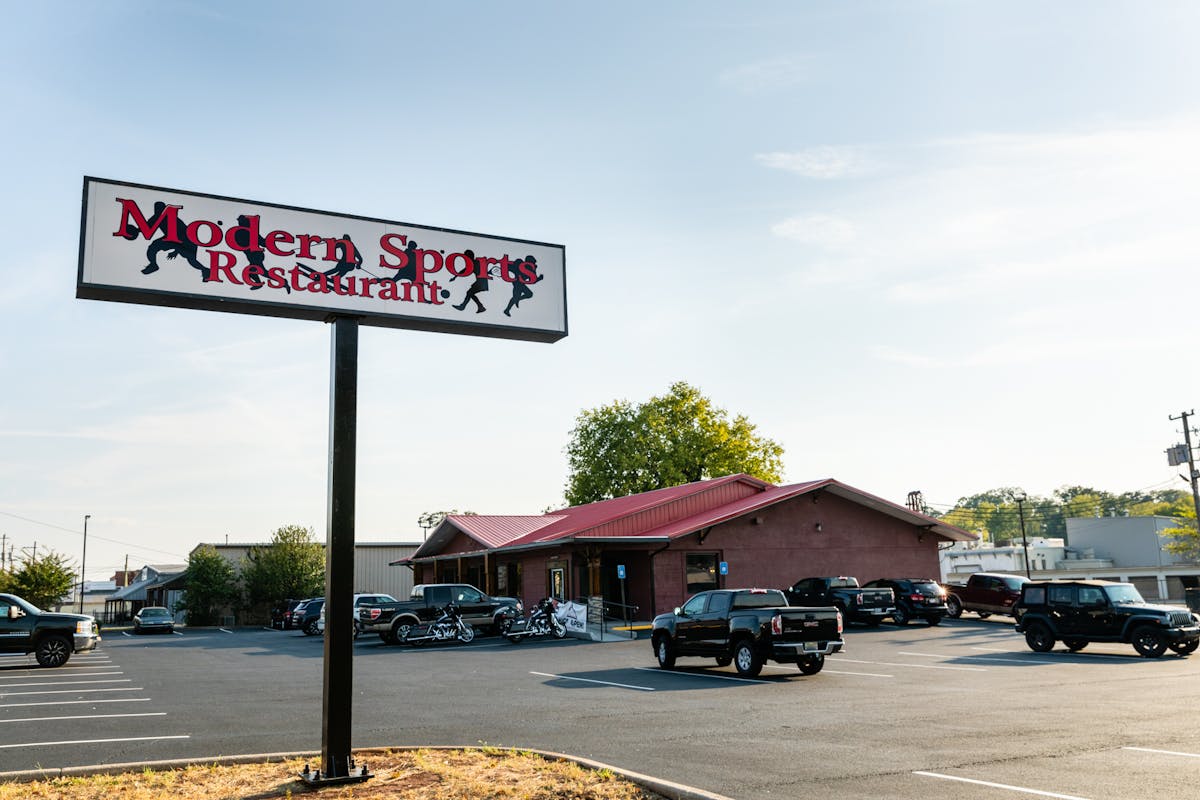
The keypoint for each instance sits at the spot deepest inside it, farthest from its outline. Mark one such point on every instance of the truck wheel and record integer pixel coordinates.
(1039, 638)
(900, 616)
(1183, 648)
(954, 607)
(724, 661)
(746, 659)
(311, 628)
(1149, 642)
(811, 665)
(400, 630)
(53, 651)
(934, 620)
(664, 651)
(1075, 645)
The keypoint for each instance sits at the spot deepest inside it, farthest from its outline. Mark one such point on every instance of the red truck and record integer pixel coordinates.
(985, 593)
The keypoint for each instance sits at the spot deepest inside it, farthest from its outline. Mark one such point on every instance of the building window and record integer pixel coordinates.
(701, 572)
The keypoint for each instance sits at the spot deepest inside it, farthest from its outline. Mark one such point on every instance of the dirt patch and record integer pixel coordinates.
(471, 774)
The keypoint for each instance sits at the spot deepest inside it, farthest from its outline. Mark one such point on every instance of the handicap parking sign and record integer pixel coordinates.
(621, 571)
(724, 567)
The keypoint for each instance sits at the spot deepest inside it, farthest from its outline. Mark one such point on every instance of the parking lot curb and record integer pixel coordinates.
(669, 789)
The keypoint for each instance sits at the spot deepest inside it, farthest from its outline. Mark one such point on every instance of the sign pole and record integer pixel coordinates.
(337, 764)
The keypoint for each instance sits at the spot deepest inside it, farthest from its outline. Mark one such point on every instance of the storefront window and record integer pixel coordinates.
(558, 583)
(701, 572)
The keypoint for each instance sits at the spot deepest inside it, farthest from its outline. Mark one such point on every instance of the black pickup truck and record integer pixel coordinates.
(747, 627)
(25, 628)
(844, 593)
(392, 620)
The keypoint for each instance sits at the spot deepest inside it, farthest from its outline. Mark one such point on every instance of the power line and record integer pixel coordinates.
(138, 547)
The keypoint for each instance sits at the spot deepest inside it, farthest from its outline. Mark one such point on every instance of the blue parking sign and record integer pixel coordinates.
(724, 567)
(621, 571)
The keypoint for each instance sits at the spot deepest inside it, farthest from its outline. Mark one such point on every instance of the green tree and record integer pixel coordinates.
(680, 437)
(431, 519)
(291, 566)
(1185, 540)
(211, 585)
(44, 581)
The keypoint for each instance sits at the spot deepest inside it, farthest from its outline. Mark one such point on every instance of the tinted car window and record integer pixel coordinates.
(1062, 595)
(768, 599)
(718, 603)
(1091, 596)
(695, 605)
(1014, 583)
(1035, 595)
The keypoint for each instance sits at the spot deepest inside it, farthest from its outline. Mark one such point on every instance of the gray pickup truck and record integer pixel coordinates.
(52, 638)
(747, 627)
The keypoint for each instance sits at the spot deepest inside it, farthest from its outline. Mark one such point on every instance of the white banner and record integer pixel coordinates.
(573, 615)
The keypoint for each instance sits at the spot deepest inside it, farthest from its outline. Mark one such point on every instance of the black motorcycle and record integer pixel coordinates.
(541, 622)
(449, 626)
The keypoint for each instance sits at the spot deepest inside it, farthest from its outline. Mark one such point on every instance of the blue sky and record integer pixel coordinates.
(944, 246)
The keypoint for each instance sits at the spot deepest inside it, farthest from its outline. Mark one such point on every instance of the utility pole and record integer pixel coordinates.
(3, 542)
(1192, 474)
(83, 564)
(1021, 512)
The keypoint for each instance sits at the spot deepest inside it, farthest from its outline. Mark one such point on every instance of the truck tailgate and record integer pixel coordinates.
(809, 624)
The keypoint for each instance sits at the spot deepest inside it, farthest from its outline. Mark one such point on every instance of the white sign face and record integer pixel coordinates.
(144, 244)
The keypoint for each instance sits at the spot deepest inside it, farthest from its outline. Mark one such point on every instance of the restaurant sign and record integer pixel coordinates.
(167, 247)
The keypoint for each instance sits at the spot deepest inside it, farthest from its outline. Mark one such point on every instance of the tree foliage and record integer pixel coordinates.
(677, 438)
(996, 516)
(211, 585)
(431, 519)
(1185, 539)
(291, 566)
(45, 580)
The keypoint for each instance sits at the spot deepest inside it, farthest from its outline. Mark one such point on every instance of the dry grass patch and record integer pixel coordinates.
(471, 774)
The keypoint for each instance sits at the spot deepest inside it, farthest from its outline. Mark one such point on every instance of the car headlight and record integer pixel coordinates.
(83, 627)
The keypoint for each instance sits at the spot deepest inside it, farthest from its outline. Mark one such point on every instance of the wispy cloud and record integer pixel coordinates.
(766, 76)
(822, 230)
(823, 163)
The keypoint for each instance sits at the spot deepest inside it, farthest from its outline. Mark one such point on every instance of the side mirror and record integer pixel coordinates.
(15, 612)
(678, 611)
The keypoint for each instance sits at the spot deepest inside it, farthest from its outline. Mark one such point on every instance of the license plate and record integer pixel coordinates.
(811, 645)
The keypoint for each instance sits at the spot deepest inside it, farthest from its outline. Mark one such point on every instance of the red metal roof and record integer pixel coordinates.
(660, 515)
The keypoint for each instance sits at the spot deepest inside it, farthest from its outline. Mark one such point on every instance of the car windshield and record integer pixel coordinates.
(1124, 593)
(155, 612)
(926, 587)
(1015, 583)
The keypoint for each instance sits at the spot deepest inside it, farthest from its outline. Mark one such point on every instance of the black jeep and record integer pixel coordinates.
(1078, 612)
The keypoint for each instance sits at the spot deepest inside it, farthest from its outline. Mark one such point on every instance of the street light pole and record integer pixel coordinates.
(83, 565)
(1021, 513)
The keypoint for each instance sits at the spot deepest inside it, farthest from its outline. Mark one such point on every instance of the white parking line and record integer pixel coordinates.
(86, 716)
(41, 673)
(589, 680)
(223, 630)
(700, 675)
(1021, 789)
(77, 702)
(95, 741)
(985, 658)
(833, 672)
(59, 683)
(74, 691)
(1076, 653)
(1163, 752)
(914, 666)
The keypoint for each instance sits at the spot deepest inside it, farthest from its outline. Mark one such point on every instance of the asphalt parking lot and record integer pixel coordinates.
(961, 710)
